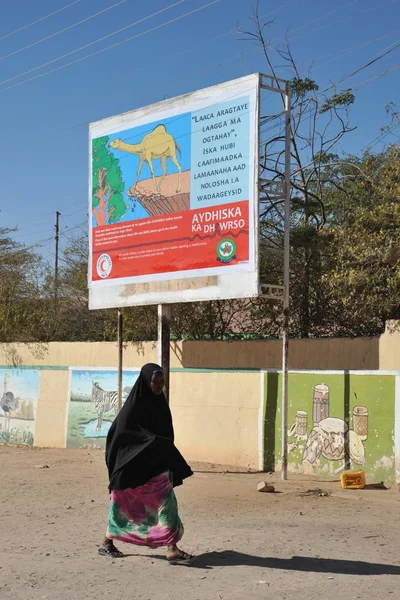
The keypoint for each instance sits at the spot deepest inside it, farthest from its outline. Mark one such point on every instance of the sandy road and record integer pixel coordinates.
(250, 545)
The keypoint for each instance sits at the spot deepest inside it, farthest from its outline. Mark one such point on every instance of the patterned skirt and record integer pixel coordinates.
(146, 515)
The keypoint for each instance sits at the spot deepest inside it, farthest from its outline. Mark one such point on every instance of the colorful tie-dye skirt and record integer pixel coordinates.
(146, 515)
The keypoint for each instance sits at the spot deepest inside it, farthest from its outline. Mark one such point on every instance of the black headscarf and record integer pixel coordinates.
(140, 441)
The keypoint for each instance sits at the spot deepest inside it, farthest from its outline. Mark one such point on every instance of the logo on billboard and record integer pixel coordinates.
(104, 266)
(226, 250)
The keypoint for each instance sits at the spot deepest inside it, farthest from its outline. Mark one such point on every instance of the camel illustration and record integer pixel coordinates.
(156, 144)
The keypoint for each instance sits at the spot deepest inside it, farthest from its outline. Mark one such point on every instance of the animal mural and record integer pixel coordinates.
(18, 401)
(8, 403)
(93, 404)
(156, 144)
(104, 401)
(329, 437)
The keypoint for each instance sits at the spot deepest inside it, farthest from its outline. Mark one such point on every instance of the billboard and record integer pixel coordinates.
(173, 199)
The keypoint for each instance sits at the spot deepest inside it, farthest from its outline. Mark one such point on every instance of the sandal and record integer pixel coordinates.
(110, 550)
(183, 558)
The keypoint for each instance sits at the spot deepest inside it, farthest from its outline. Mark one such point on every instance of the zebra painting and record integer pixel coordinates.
(104, 401)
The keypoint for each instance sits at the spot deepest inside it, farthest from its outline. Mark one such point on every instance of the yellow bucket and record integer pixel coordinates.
(353, 480)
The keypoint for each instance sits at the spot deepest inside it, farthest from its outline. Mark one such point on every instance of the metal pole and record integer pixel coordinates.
(164, 340)
(120, 357)
(57, 238)
(286, 272)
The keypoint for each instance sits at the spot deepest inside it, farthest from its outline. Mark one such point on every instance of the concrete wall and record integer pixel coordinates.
(324, 353)
(226, 404)
(381, 352)
(389, 346)
(216, 416)
(216, 413)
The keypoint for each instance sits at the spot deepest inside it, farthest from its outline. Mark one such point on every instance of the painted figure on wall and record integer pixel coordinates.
(104, 401)
(18, 406)
(329, 438)
(93, 405)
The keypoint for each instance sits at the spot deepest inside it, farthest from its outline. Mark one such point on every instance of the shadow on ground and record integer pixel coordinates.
(230, 558)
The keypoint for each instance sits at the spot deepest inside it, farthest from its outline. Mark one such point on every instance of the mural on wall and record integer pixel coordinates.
(19, 394)
(93, 405)
(329, 437)
(338, 421)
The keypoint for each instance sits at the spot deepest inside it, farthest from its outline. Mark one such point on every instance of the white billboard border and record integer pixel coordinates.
(226, 279)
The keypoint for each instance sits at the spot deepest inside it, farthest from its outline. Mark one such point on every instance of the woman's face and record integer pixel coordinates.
(157, 383)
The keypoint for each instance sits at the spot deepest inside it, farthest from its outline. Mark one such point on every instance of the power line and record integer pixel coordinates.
(375, 59)
(389, 50)
(38, 20)
(105, 37)
(380, 138)
(85, 190)
(113, 45)
(348, 18)
(63, 30)
(351, 49)
(256, 50)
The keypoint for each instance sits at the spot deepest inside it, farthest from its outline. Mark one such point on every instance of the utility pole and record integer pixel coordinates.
(120, 357)
(57, 237)
(164, 341)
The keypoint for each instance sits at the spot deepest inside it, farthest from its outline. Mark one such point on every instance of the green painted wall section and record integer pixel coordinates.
(350, 421)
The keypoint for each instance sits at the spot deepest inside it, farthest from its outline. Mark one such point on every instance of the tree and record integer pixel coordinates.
(320, 121)
(108, 204)
(365, 278)
(21, 277)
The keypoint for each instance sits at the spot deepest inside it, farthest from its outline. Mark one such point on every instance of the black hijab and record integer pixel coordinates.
(140, 441)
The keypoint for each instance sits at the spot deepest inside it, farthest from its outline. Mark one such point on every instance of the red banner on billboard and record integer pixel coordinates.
(192, 239)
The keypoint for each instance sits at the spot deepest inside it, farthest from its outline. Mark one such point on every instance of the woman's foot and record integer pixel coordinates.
(108, 549)
(176, 556)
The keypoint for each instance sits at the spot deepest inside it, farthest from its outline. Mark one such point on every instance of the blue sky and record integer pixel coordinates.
(44, 122)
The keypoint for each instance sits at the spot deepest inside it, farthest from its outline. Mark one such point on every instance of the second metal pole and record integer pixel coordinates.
(120, 358)
(286, 277)
(164, 340)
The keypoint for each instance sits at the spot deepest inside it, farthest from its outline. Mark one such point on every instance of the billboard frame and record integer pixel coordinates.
(241, 280)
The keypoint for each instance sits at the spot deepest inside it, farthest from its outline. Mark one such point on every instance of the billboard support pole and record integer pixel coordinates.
(163, 343)
(279, 189)
(120, 357)
(286, 277)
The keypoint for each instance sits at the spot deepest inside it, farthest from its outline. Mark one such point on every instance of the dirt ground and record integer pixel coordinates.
(249, 544)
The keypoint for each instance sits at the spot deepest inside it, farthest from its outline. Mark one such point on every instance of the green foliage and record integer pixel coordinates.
(302, 87)
(366, 270)
(108, 185)
(341, 100)
(21, 279)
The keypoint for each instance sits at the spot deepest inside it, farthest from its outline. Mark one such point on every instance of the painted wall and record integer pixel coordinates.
(221, 416)
(334, 419)
(216, 416)
(93, 404)
(19, 393)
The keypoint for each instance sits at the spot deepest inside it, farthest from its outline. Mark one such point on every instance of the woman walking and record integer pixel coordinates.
(143, 467)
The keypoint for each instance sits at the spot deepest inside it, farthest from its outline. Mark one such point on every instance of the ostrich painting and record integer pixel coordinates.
(8, 403)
